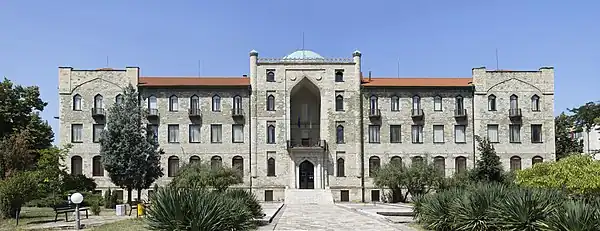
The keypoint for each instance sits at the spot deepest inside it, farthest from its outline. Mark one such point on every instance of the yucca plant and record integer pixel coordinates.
(197, 209)
(574, 216)
(433, 210)
(472, 210)
(526, 209)
(248, 199)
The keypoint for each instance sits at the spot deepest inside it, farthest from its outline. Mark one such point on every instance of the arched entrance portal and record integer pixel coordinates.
(307, 175)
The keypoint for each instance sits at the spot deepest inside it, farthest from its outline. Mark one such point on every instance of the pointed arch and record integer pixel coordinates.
(216, 103)
(271, 166)
(513, 79)
(237, 102)
(340, 168)
(270, 103)
(373, 103)
(339, 133)
(459, 103)
(152, 102)
(98, 101)
(77, 102)
(194, 103)
(491, 102)
(535, 103)
(416, 102)
(339, 103)
(395, 103)
(437, 103)
(119, 99)
(514, 102)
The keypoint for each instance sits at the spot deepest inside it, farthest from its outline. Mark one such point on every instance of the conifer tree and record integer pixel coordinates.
(488, 166)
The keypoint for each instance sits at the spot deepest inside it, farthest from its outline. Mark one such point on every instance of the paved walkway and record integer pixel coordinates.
(327, 217)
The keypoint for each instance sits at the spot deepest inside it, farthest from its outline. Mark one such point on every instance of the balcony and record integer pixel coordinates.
(237, 112)
(417, 113)
(460, 113)
(152, 113)
(514, 113)
(374, 113)
(98, 112)
(306, 144)
(195, 112)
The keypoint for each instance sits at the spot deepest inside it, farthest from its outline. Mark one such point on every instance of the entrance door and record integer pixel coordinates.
(307, 175)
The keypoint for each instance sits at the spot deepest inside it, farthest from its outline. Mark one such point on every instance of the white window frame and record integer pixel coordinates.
(492, 133)
(460, 129)
(237, 133)
(438, 134)
(216, 133)
(417, 134)
(437, 103)
(195, 131)
(173, 133)
(374, 134)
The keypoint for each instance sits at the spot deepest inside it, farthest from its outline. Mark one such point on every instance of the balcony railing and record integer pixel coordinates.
(417, 113)
(374, 113)
(98, 112)
(514, 113)
(237, 112)
(152, 112)
(195, 112)
(460, 113)
(306, 144)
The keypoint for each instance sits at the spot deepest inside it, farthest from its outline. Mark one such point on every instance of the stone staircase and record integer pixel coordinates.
(308, 196)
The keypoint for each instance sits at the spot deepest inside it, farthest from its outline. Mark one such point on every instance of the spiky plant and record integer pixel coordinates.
(574, 216)
(433, 210)
(248, 199)
(472, 210)
(197, 209)
(526, 209)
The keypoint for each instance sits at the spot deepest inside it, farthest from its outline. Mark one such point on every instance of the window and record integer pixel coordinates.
(373, 104)
(173, 103)
(344, 195)
(77, 103)
(374, 134)
(395, 103)
(216, 162)
(440, 164)
(119, 99)
(416, 100)
(460, 104)
(492, 133)
(238, 133)
(535, 103)
(98, 101)
(515, 133)
(491, 103)
(459, 134)
(340, 167)
(216, 103)
(76, 165)
(76, 133)
(119, 194)
(237, 164)
(270, 75)
(375, 195)
(173, 133)
(97, 167)
(173, 166)
(237, 103)
(438, 133)
(270, 103)
(417, 160)
(417, 134)
(271, 167)
(339, 76)
(152, 102)
(97, 132)
(374, 165)
(396, 160)
(339, 103)
(194, 159)
(271, 134)
(154, 129)
(195, 130)
(268, 195)
(537, 160)
(514, 102)
(395, 134)
(216, 132)
(536, 133)
(194, 103)
(460, 164)
(515, 163)
(437, 103)
(339, 133)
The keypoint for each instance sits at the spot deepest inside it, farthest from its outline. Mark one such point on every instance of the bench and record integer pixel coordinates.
(66, 209)
(134, 204)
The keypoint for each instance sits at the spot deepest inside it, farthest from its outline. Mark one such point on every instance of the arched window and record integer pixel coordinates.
(119, 99)
(194, 159)
(195, 103)
(440, 164)
(491, 103)
(76, 165)
(339, 76)
(373, 104)
(460, 103)
(416, 101)
(374, 165)
(339, 103)
(535, 103)
(270, 103)
(97, 167)
(237, 163)
(98, 101)
(173, 103)
(437, 103)
(216, 103)
(77, 103)
(460, 165)
(339, 134)
(396, 160)
(152, 102)
(515, 163)
(395, 103)
(271, 167)
(270, 76)
(237, 103)
(216, 162)
(514, 102)
(417, 160)
(537, 160)
(340, 167)
(173, 166)
(271, 134)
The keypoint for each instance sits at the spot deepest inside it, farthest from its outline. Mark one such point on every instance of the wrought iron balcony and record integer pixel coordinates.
(237, 112)
(514, 113)
(98, 112)
(306, 144)
(152, 113)
(460, 113)
(374, 113)
(416, 113)
(195, 112)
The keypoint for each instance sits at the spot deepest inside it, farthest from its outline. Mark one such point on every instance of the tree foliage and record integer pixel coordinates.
(586, 117)
(488, 166)
(203, 175)
(416, 179)
(565, 144)
(130, 153)
(16, 154)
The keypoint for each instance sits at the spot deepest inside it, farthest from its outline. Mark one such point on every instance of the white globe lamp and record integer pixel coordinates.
(77, 198)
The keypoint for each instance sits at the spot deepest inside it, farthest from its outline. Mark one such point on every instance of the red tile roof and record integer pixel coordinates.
(193, 81)
(417, 82)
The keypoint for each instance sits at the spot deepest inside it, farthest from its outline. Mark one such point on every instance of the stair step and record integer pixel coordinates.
(308, 196)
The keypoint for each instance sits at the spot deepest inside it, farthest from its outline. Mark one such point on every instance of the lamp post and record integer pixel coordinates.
(77, 198)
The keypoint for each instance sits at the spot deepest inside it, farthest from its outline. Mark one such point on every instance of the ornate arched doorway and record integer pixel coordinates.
(307, 175)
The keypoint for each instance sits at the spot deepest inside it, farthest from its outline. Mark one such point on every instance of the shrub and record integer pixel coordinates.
(95, 208)
(15, 191)
(575, 215)
(249, 200)
(202, 175)
(110, 199)
(197, 209)
(417, 179)
(433, 210)
(471, 211)
(525, 209)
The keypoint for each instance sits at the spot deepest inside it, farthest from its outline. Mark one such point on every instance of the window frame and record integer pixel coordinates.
(271, 166)
(96, 137)
(497, 127)
(435, 137)
(340, 169)
(97, 166)
(271, 134)
(80, 135)
(77, 102)
(270, 75)
(419, 136)
(233, 131)
(192, 127)
(492, 103)
(172, 170)
(270, 102)
(511, 137)
(339, 134)
(397, 127)
(339, 78)
(438, 106)
(216, 103)
(535, 103)
(540, 133)
(173, 103)
(374, 134)
(464, 131)
(394, 103)
(374, 165)
(216, 138)
(170, 138)
(339, 102)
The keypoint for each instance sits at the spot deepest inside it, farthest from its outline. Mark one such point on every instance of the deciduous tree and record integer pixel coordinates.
(586, 117)
(565, 144)
(488, 166)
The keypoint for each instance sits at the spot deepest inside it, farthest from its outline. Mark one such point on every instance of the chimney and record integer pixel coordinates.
(369, 76)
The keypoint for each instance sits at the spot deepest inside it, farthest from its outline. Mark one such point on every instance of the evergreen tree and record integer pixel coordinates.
(585, 118)
(488, 166)
(130, 153)
(565, 144)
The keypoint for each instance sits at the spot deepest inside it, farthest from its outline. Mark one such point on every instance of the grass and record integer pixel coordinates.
(32, 216)
(136, 224)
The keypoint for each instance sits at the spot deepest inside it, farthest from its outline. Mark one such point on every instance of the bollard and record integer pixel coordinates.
(140, 209)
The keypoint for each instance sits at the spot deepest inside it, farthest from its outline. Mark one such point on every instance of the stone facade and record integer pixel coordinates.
(311, 122)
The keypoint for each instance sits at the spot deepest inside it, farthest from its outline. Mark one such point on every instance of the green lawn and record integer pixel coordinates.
(129, 225)
(29, 216)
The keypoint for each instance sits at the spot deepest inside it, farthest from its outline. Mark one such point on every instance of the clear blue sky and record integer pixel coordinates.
(428, 38)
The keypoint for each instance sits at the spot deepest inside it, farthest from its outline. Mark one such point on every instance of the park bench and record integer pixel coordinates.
(134, 204)
(66, 209)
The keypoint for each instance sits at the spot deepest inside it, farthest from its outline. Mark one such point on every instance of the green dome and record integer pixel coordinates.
(303, 54)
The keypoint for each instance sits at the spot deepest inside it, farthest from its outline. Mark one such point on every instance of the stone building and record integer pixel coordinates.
(308, 122)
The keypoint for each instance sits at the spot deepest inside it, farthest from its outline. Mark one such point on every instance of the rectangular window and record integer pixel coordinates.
(173, 133)
(268, 195)
(536, 133)
(438, 133)
(76, 133)
(460, 134)
(195, 133)
(154, 129)
(216, 133)
(344, 195)
(339, 75)
(373, 133)
(395, 134)
(97, 131)
(417, 134)
(514, 133)
(238, 133)
(375, 195)
(492, 133)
